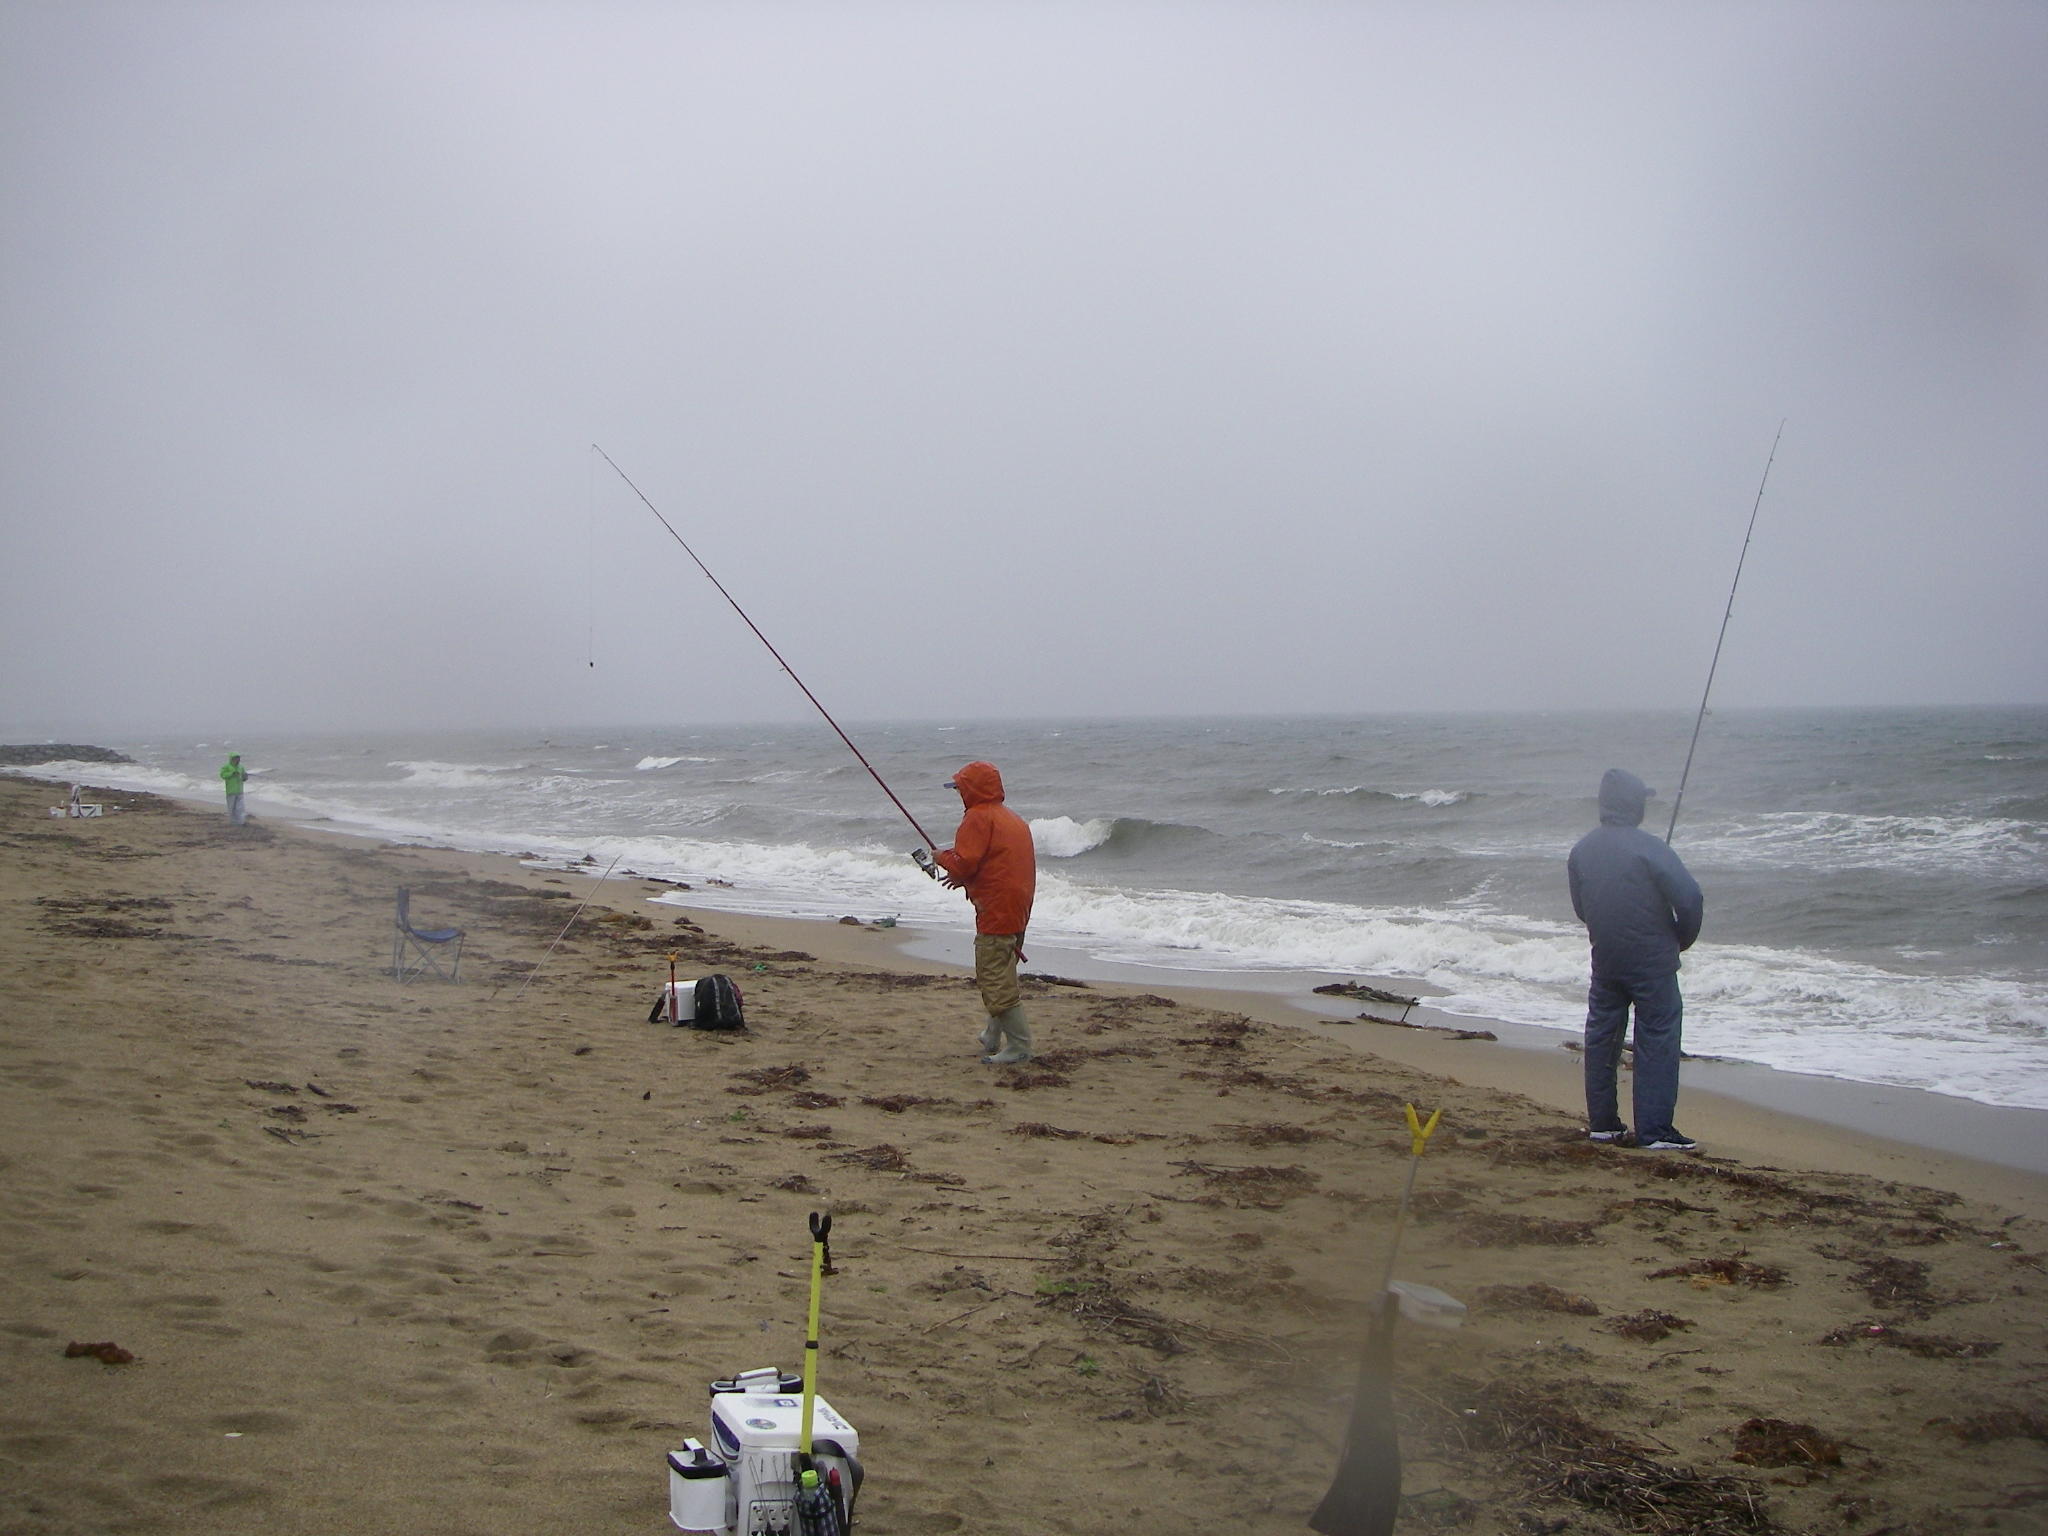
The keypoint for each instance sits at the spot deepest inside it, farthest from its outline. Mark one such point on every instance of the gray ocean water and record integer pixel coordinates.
(1877, 881)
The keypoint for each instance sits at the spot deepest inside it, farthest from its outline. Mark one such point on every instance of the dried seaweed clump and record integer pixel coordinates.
(1045, 1132)
(1561, 1455)
(1505, 1229)
(1258, 1185)
(106, 1352)
(1899, 1285)
(883, 1158)
(1781, 1443)
(1537, 1149)
(1724, 1272)
(1536, 1297)
(896, 1103)
(1101, 1310)
(768, 1079)
(1648, 1325)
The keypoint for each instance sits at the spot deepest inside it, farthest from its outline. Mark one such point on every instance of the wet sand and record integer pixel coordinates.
(448, 1258)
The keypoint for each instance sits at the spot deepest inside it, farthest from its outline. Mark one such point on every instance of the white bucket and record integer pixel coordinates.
(1427, 1305)
(698, 1489)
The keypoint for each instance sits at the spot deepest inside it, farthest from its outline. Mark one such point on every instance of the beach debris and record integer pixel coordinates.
(808, 1132)
(768, 1079)
(82, 917)
(811, 1099)
(1560, 1454)
(882, 1158)
(1261, 1186)
(1736, 1271)
(1510, 1229)
(896, 1103)
(796, 1183)
(1045, 1132)
(1929, 1346)
(1445, 1030)
(106, 1352)
(264, 1085)
(1367, 994)
(1536, 1297)
(1899, 1285)
(1647, 1326)
(1046, 978)
(1228, 1033)
(1782, 1443)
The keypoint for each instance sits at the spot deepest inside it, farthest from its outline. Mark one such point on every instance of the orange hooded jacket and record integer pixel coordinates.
(992, 856)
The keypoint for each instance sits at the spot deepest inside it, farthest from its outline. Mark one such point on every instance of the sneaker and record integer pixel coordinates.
(1669, 1141)
(1619, 1133)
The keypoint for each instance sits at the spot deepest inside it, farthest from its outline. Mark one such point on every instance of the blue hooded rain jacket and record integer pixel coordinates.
(1641, 906)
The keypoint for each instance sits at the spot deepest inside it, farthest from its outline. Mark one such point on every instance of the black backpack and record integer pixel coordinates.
(718, 1004)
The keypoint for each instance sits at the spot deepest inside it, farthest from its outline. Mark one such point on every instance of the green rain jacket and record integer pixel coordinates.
(234, 775)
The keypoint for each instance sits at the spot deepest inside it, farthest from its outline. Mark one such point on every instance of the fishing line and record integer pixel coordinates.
(1700, 718)
(736, 608)
(590, 558)
(566, 927)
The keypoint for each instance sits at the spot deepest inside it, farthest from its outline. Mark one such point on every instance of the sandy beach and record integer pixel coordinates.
(383, 1258)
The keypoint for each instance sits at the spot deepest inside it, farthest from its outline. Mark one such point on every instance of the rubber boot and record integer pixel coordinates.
(991, 1036)
(1016, 1032)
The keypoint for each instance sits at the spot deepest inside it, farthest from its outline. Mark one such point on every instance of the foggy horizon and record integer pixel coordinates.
(1013, 362)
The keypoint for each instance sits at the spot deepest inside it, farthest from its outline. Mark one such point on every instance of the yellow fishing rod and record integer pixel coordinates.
(818, 1511)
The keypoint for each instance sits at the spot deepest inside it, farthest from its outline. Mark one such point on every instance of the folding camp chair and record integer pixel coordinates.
(416, 950)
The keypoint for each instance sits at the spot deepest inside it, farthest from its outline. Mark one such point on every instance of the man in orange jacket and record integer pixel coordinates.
(993, 861)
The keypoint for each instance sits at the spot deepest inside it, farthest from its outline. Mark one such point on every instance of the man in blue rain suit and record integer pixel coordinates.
(1642, 909)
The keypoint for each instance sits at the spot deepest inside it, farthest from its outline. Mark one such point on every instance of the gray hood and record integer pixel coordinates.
(1622, 798)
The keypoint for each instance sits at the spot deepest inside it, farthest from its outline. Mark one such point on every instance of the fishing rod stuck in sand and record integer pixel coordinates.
(736, 608)
(1700, 719)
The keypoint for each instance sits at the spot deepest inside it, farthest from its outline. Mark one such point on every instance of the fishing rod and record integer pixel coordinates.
(1700, 718)
(736, 608)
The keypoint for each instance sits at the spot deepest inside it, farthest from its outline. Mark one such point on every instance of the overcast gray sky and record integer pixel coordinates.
(1015, 359)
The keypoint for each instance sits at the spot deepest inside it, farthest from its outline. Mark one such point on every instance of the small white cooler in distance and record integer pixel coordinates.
(756, 1429)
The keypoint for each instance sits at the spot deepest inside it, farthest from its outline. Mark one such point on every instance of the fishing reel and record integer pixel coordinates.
(922, 857)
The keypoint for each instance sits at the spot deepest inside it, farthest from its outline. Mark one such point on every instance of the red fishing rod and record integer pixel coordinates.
(736, 608)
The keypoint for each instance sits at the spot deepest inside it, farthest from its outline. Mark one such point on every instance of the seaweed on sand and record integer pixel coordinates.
(1648, 1325)
(1536, 1297)
(1733, 1271)
(1781, 1443)
(1257, 1185)
(1506, 1229)
(768, 1079)
(1558, 1454)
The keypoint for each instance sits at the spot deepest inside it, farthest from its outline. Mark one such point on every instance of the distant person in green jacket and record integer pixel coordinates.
(234, 776)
